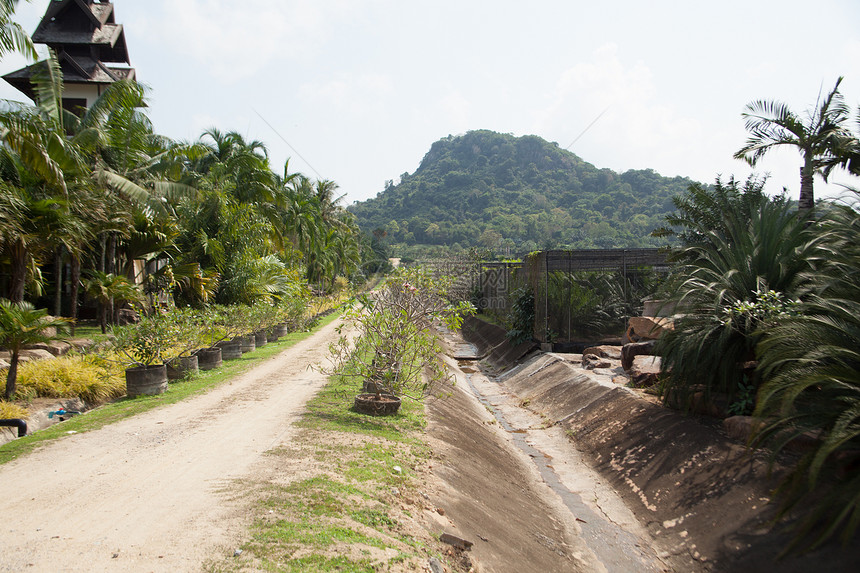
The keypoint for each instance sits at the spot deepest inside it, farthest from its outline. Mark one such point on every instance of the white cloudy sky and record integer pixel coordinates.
(362, 88)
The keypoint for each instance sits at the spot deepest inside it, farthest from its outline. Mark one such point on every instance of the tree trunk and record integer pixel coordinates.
(103, 311)
(18, 274)
(76, 284)
(807, 196)
(58, 282)
(12, 376)
(111, 254)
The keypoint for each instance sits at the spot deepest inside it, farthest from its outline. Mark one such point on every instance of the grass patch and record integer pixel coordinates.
(350, 513)
(126, 408)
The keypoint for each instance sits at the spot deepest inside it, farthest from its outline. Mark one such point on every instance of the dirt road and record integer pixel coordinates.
(153, 493)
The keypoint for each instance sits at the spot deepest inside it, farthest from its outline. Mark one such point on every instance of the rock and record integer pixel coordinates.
(740, 427)
(81, 344)
(127, 316)
(56, 348)
(645, 371)
(634, 349)
(592, 361)
(455, 541)
(37, 354)
(3, 364)
(605, 351)
(649, 327)
(436, 565)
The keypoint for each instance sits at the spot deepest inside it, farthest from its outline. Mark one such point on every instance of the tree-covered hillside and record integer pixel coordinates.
(498, 191)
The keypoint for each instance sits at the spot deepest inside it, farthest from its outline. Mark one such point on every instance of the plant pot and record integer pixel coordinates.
(208, 358)
(385, 405)
(230, 349)
(146, 380)
(181, 367)
(260, 338)
(248, 343)
(282, 329)
(273, 334)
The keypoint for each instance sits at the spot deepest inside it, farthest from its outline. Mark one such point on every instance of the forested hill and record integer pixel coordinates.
(496, 190)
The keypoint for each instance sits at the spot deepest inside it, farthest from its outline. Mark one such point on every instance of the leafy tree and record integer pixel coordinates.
(817, 136)
(107, 289)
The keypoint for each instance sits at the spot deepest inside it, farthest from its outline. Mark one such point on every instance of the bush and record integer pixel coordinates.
(811, 370)
(91, 378)
(731, 262)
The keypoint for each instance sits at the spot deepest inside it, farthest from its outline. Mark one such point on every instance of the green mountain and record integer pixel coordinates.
(494, 190)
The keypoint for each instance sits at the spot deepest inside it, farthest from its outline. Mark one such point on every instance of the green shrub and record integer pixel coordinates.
(811, 369)
(93, 379)
(722, 280)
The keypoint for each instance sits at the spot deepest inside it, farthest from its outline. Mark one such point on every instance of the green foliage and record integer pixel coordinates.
(811, 367)
(89, 377)
(150, 341)
(22, 324)
(496, 191)
(396, 350)
(734, 252)
(521, 316)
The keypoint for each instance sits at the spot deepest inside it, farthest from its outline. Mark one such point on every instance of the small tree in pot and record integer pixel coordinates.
(145, 346)
(396, 351)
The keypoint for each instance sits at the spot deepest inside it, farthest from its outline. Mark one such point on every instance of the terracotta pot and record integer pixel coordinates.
(385, 405)
(146, 380)
(208, 358)
(181, 367)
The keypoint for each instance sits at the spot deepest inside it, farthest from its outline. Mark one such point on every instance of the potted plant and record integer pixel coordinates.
(209, 323)
(396, 352)
(182, 361)
(145, 345)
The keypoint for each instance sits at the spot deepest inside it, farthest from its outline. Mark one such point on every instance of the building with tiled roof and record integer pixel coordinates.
(88, 43)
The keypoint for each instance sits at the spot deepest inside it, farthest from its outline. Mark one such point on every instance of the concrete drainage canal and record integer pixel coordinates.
(606, 526)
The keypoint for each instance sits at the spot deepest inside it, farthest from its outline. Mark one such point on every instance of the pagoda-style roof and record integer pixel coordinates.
(85, 37)
(75, 71)
(83, 23)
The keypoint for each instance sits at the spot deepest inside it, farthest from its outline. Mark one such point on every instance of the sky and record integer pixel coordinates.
(356, 91)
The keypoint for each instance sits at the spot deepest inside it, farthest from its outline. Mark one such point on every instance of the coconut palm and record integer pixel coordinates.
(817, 136)
(21, 324)
(12, 36)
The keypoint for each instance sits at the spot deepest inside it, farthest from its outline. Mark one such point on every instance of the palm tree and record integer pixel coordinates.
(12, 36)
(22, 324)
(106, 289)
(817, 136)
